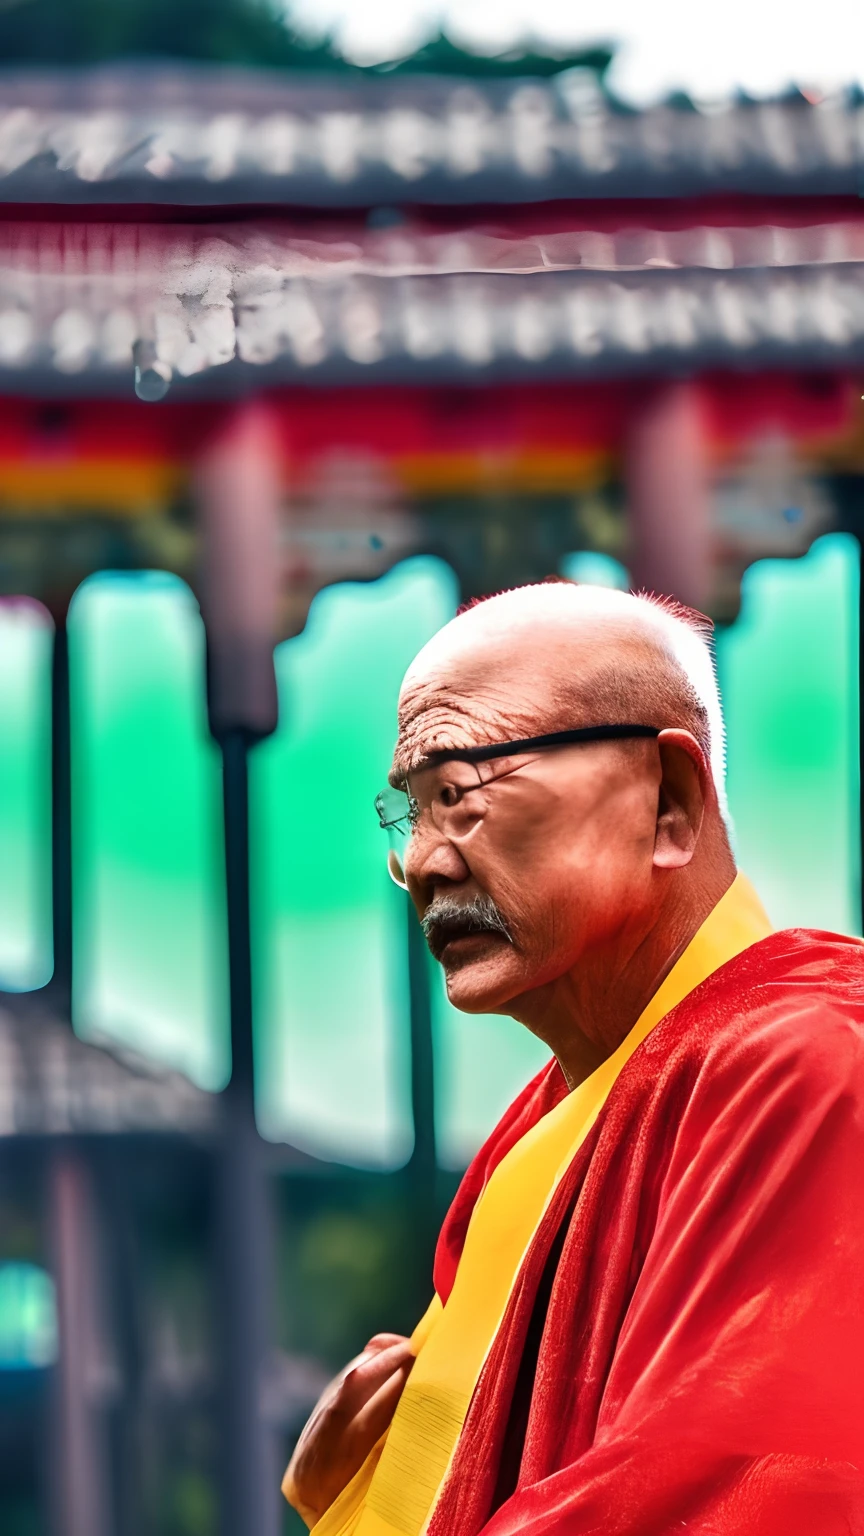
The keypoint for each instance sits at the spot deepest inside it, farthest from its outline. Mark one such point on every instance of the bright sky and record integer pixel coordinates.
(708, 49)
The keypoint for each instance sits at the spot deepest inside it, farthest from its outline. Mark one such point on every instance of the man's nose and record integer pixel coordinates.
(432, 859)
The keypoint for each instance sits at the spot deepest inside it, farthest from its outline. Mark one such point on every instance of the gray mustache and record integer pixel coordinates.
(446, 919)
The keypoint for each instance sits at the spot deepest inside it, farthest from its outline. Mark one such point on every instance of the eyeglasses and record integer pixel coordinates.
(449, 792)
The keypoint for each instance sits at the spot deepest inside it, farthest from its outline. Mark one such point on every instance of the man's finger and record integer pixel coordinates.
(375, 1345)
(381, 1341)
(364, 1379)
(375, 1415)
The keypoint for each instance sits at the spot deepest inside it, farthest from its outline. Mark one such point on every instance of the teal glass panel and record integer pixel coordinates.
(594, 569)
(332, 1021)
(28, 1317)
(789, 676)
(149, 960)
(482, 1061)
(26, 937)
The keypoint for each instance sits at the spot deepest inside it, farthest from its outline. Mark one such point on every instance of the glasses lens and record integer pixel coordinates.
(395, 870)
(392, 807)
(451, 795)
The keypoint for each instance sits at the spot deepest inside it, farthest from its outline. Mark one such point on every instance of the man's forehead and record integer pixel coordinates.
(437, 715)
(491, 667)
(492, 658)
(498, 685)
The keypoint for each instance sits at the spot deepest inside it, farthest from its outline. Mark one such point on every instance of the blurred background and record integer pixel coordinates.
(313, 325)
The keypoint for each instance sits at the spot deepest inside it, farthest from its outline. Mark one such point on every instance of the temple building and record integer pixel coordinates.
(304, 361)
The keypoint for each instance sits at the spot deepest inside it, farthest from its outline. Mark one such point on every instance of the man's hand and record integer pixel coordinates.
(350, 1416)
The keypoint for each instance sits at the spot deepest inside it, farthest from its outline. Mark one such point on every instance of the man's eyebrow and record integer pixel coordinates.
(405, 763)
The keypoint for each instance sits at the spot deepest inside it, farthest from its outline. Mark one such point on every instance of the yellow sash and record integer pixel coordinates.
(395, 1490)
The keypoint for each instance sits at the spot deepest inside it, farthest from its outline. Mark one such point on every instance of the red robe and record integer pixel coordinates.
(684, 1348)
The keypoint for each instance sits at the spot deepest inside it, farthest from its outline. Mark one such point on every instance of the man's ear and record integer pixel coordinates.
(681, 798)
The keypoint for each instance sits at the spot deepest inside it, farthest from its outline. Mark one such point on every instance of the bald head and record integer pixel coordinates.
(553, 656)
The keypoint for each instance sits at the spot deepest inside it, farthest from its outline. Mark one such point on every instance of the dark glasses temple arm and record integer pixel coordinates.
(553, 739)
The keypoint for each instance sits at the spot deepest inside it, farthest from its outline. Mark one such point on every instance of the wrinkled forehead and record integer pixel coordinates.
(500, 687)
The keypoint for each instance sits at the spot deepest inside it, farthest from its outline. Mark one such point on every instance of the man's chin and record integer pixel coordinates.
(480, 973)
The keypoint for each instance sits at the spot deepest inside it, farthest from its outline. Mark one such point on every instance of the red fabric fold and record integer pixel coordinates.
(694, 1298)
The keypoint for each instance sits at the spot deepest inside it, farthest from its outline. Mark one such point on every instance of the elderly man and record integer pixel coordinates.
(649, 1292)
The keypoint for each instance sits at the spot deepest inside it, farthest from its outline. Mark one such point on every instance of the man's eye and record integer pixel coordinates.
(450, 794)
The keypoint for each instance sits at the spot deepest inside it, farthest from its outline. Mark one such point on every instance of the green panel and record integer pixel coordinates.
(789, 674)
(332, 1041)
(148, 896)
(26, 939)
(594, 569)
(28, 1317)
(481, 1062)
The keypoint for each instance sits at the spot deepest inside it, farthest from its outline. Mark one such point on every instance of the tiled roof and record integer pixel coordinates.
(53, 1084)
(214, 136)
(213, 304)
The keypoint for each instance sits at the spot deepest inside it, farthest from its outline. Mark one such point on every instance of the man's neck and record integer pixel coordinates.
(584, 1016)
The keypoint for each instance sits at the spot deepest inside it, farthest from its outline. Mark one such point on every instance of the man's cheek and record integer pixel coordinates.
(539, 928)
(495, 879)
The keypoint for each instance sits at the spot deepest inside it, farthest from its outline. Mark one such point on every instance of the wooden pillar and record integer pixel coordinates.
(668, 497)
(239, 493)
(79, 1493)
